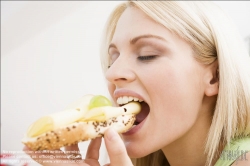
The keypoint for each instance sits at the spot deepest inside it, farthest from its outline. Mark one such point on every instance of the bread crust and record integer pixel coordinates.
(78, 132)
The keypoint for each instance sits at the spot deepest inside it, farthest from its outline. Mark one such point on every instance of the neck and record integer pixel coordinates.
(190, 148)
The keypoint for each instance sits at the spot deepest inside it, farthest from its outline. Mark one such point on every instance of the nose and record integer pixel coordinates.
(120, 72)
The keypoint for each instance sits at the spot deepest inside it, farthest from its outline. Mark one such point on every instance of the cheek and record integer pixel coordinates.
(176, 99)
(169, 84)
(176, 86)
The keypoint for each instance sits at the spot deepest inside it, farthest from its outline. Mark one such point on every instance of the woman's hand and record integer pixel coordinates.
(116, 149)
(71, 157)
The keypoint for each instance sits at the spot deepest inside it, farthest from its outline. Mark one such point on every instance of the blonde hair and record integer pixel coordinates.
(213, 37)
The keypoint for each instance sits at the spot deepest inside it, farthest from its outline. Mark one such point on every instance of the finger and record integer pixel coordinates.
(73, 152)
(72, 148)
(93, 149)
(116, 149)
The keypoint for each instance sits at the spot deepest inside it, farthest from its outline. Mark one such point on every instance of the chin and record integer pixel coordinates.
(137, 155)
(135, 151)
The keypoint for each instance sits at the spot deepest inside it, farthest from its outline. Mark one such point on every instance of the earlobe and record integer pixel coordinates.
(212, 81)
(213, 89)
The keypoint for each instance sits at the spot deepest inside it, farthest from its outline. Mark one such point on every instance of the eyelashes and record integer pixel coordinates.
(141, 58)
(146, 58)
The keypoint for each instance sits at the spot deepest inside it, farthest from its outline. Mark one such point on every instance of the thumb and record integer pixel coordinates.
(116, 149)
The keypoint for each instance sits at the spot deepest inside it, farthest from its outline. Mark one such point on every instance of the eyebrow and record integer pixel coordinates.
(134, 40)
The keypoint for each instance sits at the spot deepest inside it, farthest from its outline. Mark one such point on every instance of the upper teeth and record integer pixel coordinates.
(126, 99)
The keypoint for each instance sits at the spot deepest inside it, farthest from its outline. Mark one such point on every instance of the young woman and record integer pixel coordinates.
(186, 62)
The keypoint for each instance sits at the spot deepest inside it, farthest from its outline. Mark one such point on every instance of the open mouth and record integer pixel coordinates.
(143, 114)
(145, 109)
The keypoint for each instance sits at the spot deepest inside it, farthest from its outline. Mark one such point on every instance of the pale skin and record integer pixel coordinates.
(180, 92)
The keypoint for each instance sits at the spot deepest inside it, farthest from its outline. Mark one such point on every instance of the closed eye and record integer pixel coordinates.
(146, 58)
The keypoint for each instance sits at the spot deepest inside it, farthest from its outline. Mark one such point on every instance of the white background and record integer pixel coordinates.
(50, 57)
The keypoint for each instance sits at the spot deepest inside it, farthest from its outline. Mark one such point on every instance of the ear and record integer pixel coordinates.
(212, 79)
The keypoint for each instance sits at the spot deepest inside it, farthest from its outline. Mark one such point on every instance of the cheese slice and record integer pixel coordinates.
(107, 112)
(54, 121)
(72, 113)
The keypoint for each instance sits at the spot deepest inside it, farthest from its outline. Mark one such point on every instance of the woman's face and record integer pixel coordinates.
(154, 65)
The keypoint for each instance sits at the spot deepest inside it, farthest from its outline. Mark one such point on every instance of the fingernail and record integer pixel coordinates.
(112, 135)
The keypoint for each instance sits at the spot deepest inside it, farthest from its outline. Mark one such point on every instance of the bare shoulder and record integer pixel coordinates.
(243, 160)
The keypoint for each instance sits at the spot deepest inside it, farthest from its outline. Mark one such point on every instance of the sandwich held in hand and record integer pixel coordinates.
(85, 119)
